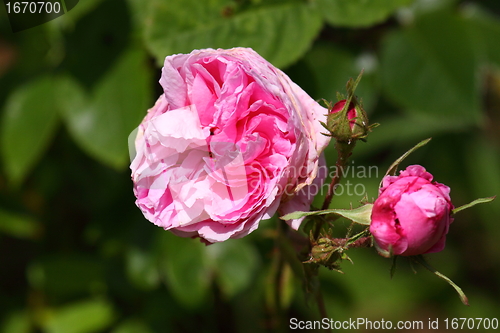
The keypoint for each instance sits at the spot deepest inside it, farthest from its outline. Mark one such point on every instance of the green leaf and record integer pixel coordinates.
(75, 13)
(235, 263)
(29, 123)
(280, 33)
(430, 69)
(485, 28)
(132, 326)
(404, 130)
(298, 214)
(120, 102)
(359, 13)
(66, 276)
(332, 67)
(101, 124)
(139, 13)
(17, 322)
(483, 163)
(142, 269)
(81, 317)
(473, 203)
(19, 226)
(75, 107)
(394, 166)
(360, 215)
(185, 267)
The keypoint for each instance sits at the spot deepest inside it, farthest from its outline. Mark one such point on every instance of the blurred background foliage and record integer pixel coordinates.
(76, 255)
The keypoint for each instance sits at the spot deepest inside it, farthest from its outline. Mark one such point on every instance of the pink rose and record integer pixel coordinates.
(412, 213)
(231, 140)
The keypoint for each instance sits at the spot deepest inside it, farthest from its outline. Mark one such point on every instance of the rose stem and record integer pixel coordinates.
(344, 151)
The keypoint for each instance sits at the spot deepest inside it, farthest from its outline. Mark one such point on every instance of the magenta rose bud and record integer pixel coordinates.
(351, 112)
(412, 214)
(347, 124)
(230, 141)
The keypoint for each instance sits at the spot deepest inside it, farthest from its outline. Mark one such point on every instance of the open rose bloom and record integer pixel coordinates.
(230, 141)
(412, 214)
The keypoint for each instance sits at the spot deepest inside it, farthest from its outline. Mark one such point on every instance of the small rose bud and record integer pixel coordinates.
(347, 123)
(323, 249)
(325, 252)
(351, 111)
(412, 214)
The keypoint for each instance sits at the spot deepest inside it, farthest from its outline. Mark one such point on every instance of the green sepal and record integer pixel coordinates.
(394, 166)
(393, 267)
(382, 252)
(352, 85)
(473, 203)
(420, 259)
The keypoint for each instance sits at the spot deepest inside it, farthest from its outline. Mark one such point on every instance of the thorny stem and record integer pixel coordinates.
(361, 242)
(335, 180)
(344, 151)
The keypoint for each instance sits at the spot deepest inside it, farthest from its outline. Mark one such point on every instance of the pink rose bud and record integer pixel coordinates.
(412, 214)
(230, 141)
(351, 111)
(349, 124)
